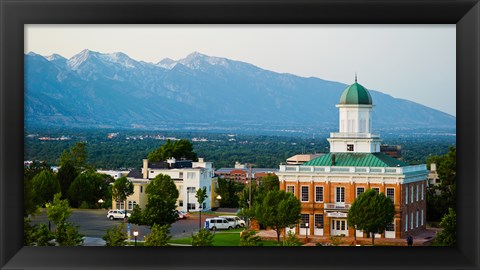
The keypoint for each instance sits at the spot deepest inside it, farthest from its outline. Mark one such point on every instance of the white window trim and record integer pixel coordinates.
(356, 191)
(293, 187)
(406, 195)
(417, 192)
(336, 199)
(422, 192)
(411, 220)
(422, 218)
(411, 194)
(406, 222)
(301, 193)
(416, 223)
(316, 194)
(386, 193)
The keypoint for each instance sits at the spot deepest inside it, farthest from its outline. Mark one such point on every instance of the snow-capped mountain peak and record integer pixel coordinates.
(54, 57)
(167, 63)
(75, 61)
(195, 60)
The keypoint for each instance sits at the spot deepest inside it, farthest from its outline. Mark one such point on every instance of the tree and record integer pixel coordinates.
(448, 236)
(162, 195)
(136, 216)
(203, 238)
(89, 187)
(77, 156)
(44, 186)
(269, 182)
(278, 210)
(441, 198)
(115, 236)
(229, 190)
(158, 236)
(30, 202)
(66, 175)
(122, 188)
(371, 212)
(59, 210)
(201, 195)
(179, 149)
(66, 233)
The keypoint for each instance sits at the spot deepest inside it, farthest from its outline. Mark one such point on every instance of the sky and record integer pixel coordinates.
(414, 62)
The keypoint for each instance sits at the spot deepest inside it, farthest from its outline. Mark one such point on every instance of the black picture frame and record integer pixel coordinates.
(14, 14)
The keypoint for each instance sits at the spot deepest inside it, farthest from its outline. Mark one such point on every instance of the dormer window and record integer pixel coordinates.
(350, 147)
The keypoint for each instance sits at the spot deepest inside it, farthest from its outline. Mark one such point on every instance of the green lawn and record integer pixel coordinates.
(222, 239)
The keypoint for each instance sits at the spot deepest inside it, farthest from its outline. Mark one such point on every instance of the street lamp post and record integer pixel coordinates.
(306, 231)
(188, 196)
(135, 233)
(100, 202)
(200, 219)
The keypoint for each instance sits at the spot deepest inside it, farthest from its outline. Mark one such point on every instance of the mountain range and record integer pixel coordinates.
(93, 89)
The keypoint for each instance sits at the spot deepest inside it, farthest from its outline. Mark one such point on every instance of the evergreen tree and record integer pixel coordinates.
(448, 236)
(44, 186)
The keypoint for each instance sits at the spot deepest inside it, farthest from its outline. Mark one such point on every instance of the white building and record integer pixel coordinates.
(188, 176)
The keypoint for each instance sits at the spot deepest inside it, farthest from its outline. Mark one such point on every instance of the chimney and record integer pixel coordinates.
(170, 162)
(200, 159)
(145, 168)
(333, 159)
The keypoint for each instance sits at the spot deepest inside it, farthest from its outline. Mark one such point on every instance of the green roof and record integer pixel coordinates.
(356, 94)
(357, 160)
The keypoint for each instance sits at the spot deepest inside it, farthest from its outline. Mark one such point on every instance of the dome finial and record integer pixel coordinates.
(355, 76)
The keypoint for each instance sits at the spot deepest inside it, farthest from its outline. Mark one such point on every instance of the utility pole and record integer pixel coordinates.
(250, 192)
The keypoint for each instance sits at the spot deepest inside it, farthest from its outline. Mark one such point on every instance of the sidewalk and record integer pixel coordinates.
(422, 239)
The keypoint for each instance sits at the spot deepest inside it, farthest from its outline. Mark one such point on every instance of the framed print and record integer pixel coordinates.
(465, 15)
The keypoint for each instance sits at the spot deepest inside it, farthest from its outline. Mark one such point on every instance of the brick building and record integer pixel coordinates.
(327, 186)
(242, 173)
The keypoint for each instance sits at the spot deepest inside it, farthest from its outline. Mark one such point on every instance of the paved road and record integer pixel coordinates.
(94, 223)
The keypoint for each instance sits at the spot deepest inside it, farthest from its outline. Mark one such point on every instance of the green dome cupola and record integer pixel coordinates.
(356, 94)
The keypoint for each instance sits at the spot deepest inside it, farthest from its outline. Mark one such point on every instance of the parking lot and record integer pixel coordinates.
(94, 223)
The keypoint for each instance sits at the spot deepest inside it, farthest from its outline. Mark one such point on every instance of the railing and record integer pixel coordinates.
(353, 135)
(338, 169)
(336, 206)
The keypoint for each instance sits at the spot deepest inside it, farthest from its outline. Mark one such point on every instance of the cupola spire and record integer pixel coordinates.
(355, 76)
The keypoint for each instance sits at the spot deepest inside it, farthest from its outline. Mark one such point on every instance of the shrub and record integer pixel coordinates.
(115, 236)
(249, 239)
(202, 238)
(337, 239)
(158, 236)
(291, 240)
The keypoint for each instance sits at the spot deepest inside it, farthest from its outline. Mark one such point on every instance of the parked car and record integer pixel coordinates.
(235, 221)
(117, 214)
(182, 214)
(217, 223)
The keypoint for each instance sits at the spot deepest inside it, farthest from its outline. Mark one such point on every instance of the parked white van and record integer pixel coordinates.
(235, 221)
(217, 223)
